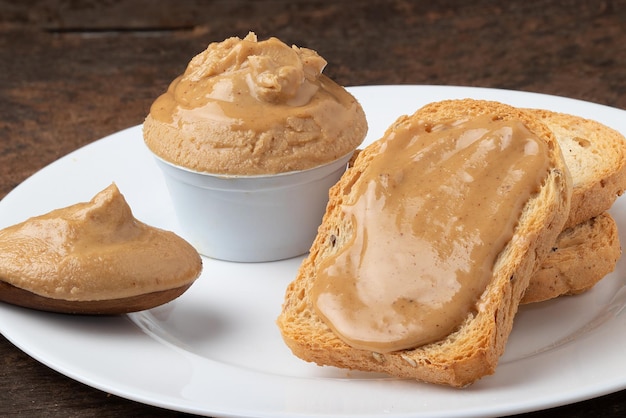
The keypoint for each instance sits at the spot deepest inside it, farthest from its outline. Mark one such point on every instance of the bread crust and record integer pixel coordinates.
(473, 350)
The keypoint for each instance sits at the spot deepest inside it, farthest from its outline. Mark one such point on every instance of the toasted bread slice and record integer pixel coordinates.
(581, 256)
(473, 349)
(596, 157)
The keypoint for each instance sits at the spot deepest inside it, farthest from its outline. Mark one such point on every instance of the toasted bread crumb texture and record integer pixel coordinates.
(596, 157)
(473, 350)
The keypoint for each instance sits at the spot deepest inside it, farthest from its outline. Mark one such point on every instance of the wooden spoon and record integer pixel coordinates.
(96, 254)
(20, 297)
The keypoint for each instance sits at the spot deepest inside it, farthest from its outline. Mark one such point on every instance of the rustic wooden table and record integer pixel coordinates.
(73, 72)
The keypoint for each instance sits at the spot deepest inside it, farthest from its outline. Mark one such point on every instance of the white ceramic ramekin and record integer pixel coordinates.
(251, 218)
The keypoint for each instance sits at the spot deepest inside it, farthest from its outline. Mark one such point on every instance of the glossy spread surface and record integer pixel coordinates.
(431, 214)
(252, 107)
(94, 251)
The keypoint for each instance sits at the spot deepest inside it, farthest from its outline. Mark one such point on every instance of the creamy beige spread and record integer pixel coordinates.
(431, 214)
(94, 250)
(249, 107)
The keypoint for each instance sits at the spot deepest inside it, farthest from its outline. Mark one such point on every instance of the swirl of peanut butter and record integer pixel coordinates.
(249, 107)
(94, 251)
(433, 211)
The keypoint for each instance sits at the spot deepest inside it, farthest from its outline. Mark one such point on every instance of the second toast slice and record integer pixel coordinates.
(582, 255)
(595, 155)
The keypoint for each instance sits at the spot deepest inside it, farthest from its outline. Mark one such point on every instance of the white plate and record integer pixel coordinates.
(216, 350)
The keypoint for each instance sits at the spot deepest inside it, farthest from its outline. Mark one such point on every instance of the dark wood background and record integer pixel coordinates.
(73, 71)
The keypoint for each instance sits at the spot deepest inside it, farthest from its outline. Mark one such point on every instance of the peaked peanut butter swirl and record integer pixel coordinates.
(94, 251)
(249, 107)
(432, 212)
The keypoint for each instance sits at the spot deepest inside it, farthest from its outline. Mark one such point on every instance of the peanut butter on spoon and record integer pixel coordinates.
(93, 258)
